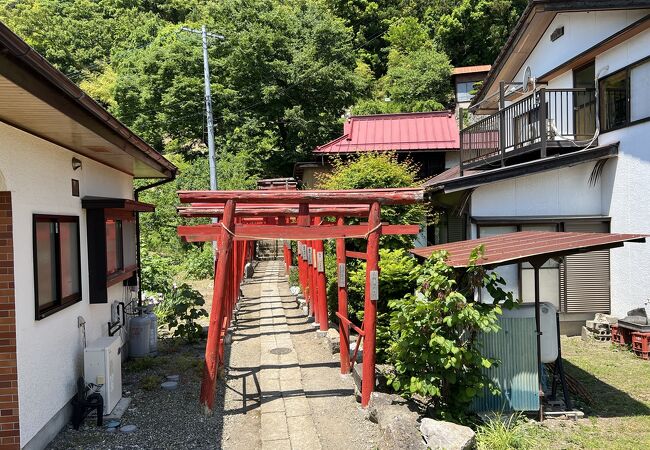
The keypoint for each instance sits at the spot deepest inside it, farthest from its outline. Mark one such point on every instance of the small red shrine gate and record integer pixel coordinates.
(294, 215)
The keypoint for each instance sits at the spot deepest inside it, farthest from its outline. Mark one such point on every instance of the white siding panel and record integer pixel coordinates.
(582, 30)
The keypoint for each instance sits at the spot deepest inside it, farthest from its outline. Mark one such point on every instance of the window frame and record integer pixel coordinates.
(458, 94)
(628, 97)
(60, 303)
(123, 272)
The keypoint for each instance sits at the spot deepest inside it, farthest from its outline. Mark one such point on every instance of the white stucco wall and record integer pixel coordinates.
(582, 30)
(557, 193)
(624, 191)
(50, 351)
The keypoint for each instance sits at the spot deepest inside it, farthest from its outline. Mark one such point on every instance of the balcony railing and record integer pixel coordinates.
(547, 118)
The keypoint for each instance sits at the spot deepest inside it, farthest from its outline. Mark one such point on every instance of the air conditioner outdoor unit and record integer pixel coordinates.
(103, 365)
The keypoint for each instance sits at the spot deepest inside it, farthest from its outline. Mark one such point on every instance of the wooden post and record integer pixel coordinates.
(289, 258)
(344, 329)
(303, 221)
(370, 305)
(314, 285)
(321, 283)
(209, 383)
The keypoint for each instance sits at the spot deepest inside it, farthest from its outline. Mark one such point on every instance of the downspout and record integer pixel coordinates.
(136, 195)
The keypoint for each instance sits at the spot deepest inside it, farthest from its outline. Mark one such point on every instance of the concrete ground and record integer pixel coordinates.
(283, 388)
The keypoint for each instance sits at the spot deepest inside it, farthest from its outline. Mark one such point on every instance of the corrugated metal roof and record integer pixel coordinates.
(397, 132)
(470, 69)
(522, 246)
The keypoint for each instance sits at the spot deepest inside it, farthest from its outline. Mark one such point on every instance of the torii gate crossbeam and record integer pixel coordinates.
(293, 215)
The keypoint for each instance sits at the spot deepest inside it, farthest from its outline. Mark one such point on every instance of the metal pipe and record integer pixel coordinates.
(138, 250)
(538, 327)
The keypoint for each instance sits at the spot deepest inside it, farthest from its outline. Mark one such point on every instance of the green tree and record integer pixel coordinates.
(375, 170)
(473, 31)
(418, 76)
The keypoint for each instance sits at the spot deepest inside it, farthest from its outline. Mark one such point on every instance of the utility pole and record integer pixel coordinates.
(208, 100)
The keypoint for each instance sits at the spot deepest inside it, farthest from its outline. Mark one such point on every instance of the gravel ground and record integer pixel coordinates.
(165, 419)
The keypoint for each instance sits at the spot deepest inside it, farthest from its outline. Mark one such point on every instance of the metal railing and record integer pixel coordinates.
(546, 117)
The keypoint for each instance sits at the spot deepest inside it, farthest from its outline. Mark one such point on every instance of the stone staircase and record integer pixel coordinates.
(268, 250)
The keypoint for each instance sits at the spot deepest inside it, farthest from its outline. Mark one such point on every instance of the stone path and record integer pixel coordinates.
(283, 388)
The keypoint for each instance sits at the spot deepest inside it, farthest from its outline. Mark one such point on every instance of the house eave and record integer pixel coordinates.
(525, 169)
(26, 71)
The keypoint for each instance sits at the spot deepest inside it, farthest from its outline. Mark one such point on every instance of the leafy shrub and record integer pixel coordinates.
(395, 281)
(433, 334)
(142, 364)
(199, 263)
(180, 309)
(499, 433)
(157, 271)
(150, 382)
(294, 276)
(374, 171)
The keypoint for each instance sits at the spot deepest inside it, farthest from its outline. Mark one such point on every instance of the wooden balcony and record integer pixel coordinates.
(546, 122)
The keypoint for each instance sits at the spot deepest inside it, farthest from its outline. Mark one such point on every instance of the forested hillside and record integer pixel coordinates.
(283, 77)
(281, 80)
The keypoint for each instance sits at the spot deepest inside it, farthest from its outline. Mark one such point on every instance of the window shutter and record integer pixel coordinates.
(455, 228)
(584, 280)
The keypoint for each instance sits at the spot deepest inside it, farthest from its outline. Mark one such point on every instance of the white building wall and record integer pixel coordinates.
(50, 351)
(452, 159)
(560, 192)
(624, 191)
(626, 194)
(582, 30)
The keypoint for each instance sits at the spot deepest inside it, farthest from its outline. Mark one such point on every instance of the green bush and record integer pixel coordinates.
(395, 281)
(199, 262)
(374, 170)
(433, 334)
(179, 311)
(157, 271)
(294, 276)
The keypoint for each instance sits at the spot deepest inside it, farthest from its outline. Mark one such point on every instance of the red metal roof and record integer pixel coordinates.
(470, 69)
(522, 246)
(396, 132)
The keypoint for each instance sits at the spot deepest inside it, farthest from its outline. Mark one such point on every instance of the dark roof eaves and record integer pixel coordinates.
(516, 171)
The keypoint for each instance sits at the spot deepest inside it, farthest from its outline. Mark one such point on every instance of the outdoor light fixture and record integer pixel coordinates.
(76, 163)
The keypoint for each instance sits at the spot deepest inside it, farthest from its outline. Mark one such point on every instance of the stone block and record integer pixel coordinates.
(439, 434)
(397, 423)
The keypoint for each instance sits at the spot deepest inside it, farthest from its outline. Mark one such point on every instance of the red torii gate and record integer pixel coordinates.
(293, 215)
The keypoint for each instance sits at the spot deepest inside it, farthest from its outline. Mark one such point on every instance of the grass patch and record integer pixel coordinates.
(142, 364)
(504, 433)
(618, 418)
(150, 382)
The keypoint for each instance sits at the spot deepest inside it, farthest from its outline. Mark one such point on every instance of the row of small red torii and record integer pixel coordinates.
(301, 216)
